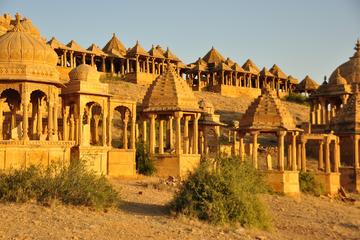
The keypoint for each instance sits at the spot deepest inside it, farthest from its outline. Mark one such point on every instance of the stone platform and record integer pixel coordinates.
(286, 182)
(330, 181)
(175, 165)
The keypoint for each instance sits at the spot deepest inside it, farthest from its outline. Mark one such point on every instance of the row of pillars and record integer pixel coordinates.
(177, 117)
(321, 114)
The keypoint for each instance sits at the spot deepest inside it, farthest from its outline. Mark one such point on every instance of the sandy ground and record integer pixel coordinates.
(143, 215)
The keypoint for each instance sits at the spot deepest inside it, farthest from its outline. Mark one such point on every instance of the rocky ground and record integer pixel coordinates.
(143, 215)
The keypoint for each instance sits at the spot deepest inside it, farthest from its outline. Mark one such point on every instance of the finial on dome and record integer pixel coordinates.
(114, 35)
(17, 17)
(17, 27)
(357, 45)
(137, 42)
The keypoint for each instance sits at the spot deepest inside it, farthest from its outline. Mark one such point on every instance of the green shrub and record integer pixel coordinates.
(72, 184)
(226, 194)
(144, 164)
(297, 98)
(308, 184)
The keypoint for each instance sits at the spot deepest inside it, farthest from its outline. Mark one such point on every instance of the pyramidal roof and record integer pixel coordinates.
(307, 84)
(277, 72)
(115, 44)
(213, 56)
(169, 92)
(168, 54)
(348, 117)
(54, 43)
(154, 52)
(75, 46)
(137, 50)
(264, 72)
(267, 113)
(250, 67)
(95, 49)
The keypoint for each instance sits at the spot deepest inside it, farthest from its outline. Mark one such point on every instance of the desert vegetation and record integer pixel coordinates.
(224, 192)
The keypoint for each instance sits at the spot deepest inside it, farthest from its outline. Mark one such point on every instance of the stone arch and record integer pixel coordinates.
(9, 117)
(93, 118)
(38, 100)
(121, 127)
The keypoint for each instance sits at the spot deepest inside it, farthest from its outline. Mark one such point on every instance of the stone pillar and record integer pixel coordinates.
(133, 133)
(64, 63)
(103, 128)
(281, 135)
(72, 127)
(137, 64)
(321, 156)
(112, 65)
(72, 59)
(161, 136)
(255, 149)
(356, 152)
(2, 100)
(25, 126)
(152, 139)
(103, 66)
(178, 116)
(303, 155)
(84, 58)
(186, 134)
(66, 110)
(196, 133)
(298, 156)
(50, 120)
(169, 137)
(234, 143)
(92, 60)
(144, 130)
(39, 117)
(96, 129)
(327, 155)
(336, 155)
(293, 149)
(241, 147)
(147, 65)
(125, 131)
(56, 129)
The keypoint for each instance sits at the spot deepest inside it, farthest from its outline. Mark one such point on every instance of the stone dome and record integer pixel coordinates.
(338, 79)
(24, 56)
(350, 70)
(84, 72)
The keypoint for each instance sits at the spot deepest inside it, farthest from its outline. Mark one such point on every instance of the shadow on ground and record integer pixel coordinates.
(143, 208)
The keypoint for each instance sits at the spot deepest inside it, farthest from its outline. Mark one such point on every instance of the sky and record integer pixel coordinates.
(304, 37)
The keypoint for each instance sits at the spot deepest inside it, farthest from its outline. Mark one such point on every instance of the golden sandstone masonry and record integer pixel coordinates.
(56, 105)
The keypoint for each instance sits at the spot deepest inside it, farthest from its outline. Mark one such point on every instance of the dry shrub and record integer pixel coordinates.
(227, 194)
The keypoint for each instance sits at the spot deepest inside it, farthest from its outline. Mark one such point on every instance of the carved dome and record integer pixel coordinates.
(338, 79)
(25, 56)
(84, 72)
(350, 70)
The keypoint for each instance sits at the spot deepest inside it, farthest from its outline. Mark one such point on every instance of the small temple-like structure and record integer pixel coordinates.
(307, 86)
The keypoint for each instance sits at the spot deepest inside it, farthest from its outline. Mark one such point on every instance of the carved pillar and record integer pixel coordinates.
(327, 155)
(83, 58)
(336, 155)
(144, 130)
(152, 139)
(186, 134)
(96, 129)
(161, 136)
(112, 65)
(92, 60)
(56, 134)
(2, 100)
(293, 149)
(50, 119)
(298, 156)
(241, 147)
(281, 135)
(72, 59)
(133, 133)
(137, 64)
(255, 149)
(169, 137)
(321, 156)
(103, 66)
(303, 155)
(178, 116)
(103, 127)
(356, 151)
(196, 133)
(72, 127)
(65, 133)
(25, 129)
(125, 132)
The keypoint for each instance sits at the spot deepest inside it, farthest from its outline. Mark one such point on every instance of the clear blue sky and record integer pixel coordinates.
(302, 37)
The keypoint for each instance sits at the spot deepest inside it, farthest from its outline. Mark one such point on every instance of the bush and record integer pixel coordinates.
(225, 195)
(297, 98)
(73, 184)
(144, 164)
(308, 184)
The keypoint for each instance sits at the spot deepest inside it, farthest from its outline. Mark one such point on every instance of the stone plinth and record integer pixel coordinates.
(95, 157)
(16, 154)
(121, 162)
(283, 181)
(175, 165)
(350, 178)
(236, 91)
(330, 181)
